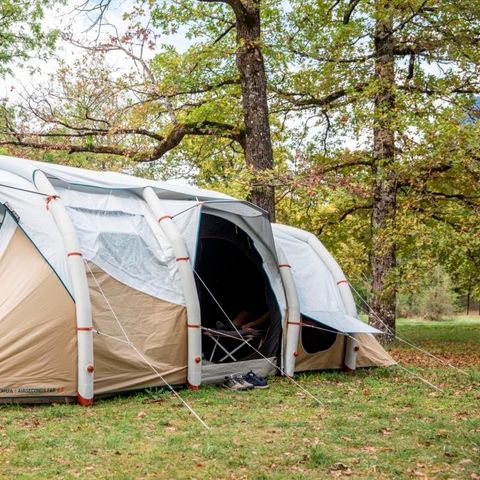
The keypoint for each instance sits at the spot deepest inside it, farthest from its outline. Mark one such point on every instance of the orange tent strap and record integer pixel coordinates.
(50, 198)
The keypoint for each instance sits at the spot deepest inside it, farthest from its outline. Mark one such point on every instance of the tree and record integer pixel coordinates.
(252, 135)
(21, 31)
(253, 82)
(398, 76)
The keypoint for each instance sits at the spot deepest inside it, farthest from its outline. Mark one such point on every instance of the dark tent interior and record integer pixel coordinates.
(233, 280)
(315, 336)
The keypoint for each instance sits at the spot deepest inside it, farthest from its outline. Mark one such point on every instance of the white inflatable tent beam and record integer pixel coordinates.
(194, 324)
(78, 277)
(293, 313)
(350, 359)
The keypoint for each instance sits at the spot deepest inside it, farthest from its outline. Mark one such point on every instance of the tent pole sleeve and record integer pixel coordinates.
(194, 372)
(351, 347)
(293, 313)
(78, 277)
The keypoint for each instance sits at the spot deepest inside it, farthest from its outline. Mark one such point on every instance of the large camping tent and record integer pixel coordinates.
(111, 283)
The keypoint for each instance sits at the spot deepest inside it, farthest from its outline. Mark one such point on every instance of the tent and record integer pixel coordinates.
(112, 283)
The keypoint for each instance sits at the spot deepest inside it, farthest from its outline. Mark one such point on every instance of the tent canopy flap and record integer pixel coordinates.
(341, 322)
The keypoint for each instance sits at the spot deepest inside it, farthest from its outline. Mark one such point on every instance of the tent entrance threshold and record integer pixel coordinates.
(216, 373)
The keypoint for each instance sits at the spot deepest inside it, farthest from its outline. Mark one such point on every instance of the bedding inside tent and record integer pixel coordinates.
(230, 280)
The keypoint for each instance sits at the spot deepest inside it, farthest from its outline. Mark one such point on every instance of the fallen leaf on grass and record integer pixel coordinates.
(141, 414)
(339, 466)
(340, 469)
(154, 400)
(418, 473)
(369, 449)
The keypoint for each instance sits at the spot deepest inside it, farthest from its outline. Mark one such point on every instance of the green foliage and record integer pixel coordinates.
(22, 35)
(434, 299)
(438, 299)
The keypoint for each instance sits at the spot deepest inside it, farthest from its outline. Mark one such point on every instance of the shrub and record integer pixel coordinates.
(437, 300)
(434, 300)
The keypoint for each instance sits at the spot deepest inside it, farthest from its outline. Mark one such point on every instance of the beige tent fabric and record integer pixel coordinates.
(38, 347)
(330, 358)
(370, 354)
(156, 327)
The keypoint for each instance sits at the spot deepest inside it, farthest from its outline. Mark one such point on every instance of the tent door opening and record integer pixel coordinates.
(229, 265)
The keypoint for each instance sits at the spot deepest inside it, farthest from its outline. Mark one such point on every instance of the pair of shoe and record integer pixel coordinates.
(246, 382)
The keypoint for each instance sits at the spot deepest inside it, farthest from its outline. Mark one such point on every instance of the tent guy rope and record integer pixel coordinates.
(367, 347)
(23, 190)
(371, 312)
(139, 353)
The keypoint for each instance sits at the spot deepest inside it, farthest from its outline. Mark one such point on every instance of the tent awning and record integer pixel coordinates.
(342, 322)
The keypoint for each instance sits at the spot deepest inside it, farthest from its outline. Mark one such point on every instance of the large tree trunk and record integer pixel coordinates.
(258, 144)
(384, 183)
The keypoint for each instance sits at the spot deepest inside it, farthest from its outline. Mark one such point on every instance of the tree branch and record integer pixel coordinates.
(343, 216)
(350, 8)
(165, 143)
(109, 150)
(323, 101)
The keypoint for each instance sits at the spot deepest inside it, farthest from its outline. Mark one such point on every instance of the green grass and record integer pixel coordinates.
(462, 331)
(378, 423)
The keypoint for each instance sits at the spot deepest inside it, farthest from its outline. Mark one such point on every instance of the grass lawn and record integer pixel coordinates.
(378, 423)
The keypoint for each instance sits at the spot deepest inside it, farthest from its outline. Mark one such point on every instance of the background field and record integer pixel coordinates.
(378, 423)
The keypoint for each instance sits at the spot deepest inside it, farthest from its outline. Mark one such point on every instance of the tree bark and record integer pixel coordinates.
(253, 82)
(384, 184)
(469, 295)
